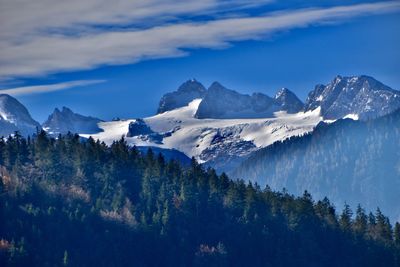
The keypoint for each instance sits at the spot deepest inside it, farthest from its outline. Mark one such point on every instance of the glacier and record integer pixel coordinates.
(181, 130)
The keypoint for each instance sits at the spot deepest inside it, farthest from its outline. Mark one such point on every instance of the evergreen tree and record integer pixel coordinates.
(346, 218)
(361, 221)
(383, 227)
(124, 207)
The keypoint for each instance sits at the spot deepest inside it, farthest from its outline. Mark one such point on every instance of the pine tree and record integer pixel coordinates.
(346, 218)
(141, 206)
(383, 227)
(326, 211)
(361, 221)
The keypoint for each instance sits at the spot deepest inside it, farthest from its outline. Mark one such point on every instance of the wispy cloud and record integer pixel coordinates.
(24, 18)
(42, 36)
(38, 89)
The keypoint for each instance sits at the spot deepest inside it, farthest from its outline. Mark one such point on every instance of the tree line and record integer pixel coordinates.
(69, 201)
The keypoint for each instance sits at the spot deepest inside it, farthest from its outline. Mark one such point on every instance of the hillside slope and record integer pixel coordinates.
(352, 161)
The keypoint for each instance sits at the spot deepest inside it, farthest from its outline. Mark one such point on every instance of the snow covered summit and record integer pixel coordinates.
(186, 93)
(15, 117)
(288, 101)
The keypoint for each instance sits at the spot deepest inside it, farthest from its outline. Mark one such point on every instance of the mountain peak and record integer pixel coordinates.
(66, 110)
(15, 117)
(222, 103)
(283, 91)
(216, 85)
(64, 121)
(288, 101)
(359, 95)
(338, 77)
(186, 93)
(191, 85)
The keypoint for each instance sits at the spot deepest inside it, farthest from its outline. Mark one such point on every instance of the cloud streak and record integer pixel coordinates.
(23, 19)
(38, 89)
(29, 49)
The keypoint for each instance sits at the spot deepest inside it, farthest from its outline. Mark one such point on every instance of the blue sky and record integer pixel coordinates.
(118, 60)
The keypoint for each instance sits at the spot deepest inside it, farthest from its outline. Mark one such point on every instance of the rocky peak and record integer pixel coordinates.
(65, 120)
(192, 85)
(288, 101)
(217, 87)
(359, 95)
(185, 94)
(223, 103)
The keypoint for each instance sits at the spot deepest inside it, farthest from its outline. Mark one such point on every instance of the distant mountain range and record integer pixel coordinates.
(360, 96)
(219, 102)
(220, 126)
(233, 132)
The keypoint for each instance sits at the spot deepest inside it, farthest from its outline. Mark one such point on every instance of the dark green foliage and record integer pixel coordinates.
(68, 202)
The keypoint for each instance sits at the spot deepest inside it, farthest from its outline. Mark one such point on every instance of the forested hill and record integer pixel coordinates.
(65, 202)
(348, 161)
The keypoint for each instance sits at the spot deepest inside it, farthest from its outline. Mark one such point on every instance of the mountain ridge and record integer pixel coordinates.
(65, 120)
(187, 92)
(361, 95)
(222, 126)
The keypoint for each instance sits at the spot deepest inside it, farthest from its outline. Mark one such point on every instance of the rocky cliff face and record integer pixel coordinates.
(288, 101)
(362, 96)
(222, 103)
(65, 120)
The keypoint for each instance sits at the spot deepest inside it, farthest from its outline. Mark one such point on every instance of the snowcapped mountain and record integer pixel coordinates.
(222, 127)
(356, 96)
(15, 117)
(288, 101)
(218, 126)
(208, 140)
(65, 120)
(222, 103)
(186, 93)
